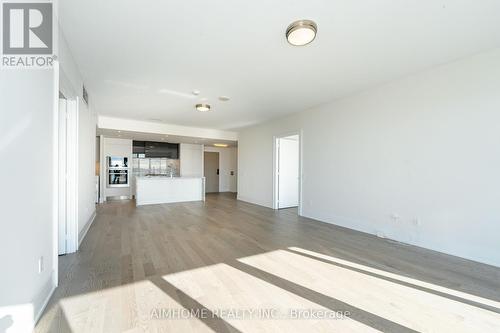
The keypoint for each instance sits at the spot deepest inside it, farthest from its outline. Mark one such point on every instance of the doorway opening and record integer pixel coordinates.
(287, 172)
(211, 172)
(67, 175)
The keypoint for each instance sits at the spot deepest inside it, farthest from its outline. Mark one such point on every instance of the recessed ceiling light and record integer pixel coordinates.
(224, 98)
(196, 92)
(301, 32)
(203, 107)
(220, 145)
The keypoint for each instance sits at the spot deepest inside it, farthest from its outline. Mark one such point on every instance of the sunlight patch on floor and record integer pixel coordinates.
(222, 289)
(111, 310)
(401, 278)
(409, 307)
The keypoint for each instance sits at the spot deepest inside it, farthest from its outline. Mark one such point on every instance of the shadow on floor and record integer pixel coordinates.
(128, 244)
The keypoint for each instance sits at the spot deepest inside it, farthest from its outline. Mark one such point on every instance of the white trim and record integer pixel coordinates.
(253, 202)
(102, 170)
(84, 231)
(275, 169)
(67, 89)
(46, 300)
(72, 174)
(55, 176)
(61, 177)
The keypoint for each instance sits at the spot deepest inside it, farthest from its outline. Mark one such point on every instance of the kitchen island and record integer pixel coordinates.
(161, 189)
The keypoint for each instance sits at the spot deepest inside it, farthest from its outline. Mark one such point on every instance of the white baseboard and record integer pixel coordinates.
(84, 231)
(43, 299)
(254, 202)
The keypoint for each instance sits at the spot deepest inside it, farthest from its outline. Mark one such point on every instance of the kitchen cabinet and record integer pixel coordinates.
(151, 149)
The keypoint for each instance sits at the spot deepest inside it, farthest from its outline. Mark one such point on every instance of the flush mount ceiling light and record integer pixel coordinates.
(220, 145)
(301, 32)
(203, 107)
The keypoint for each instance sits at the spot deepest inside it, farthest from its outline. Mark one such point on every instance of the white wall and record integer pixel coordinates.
(228, 161)
(28, 141)
(28, 201)
(86, 167)
(425, 148)
(191, 160)
(26, 197)
(71, 85)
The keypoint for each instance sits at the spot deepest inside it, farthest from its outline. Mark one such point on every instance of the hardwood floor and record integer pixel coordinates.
(229, 266)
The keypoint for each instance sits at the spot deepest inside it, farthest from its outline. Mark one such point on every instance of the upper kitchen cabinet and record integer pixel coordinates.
(139, 148)
(161, 149)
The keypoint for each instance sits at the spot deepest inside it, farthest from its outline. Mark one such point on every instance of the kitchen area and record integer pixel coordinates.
(154, 171)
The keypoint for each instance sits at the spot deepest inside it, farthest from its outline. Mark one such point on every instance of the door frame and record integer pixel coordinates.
(70, 176)
(276, 139)
(218, 167)
(61, 175)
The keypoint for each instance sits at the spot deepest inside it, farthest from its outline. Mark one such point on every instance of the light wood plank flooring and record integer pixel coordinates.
(229, 266)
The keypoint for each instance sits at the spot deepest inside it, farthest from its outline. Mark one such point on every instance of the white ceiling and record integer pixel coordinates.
(141, 59)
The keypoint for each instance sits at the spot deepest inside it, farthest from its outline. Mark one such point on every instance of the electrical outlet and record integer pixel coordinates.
(40, 265)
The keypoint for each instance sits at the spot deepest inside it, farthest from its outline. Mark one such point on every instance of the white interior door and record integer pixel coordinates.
(288, 171)
(62, 177)
(71, 175)
(67, 178)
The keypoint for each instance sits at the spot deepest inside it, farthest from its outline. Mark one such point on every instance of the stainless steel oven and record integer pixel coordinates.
(118, 171)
